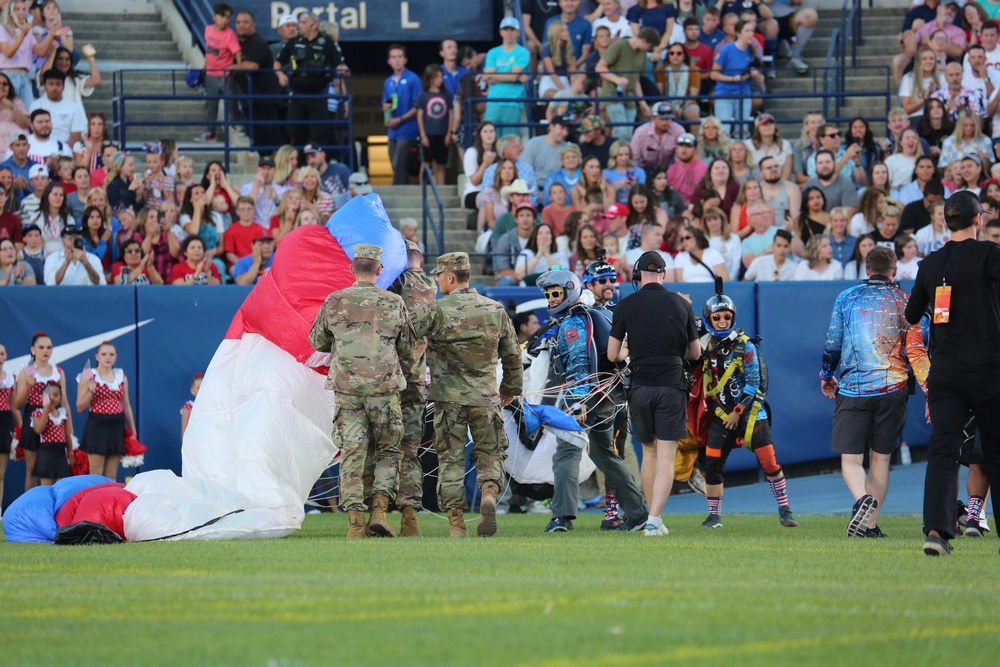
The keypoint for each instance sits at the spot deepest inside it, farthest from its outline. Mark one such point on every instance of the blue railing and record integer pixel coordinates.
(196, 15)
(126, 119)
(427, 185)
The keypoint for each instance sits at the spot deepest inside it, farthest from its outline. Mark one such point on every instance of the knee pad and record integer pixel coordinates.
(765, 455)
(713, 470)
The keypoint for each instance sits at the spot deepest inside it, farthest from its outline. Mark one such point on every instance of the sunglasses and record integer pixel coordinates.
(686, 238)
(831, 135)
(719, 317)
(604, 281)
(554, 294)
(675, 53)
(133, 251)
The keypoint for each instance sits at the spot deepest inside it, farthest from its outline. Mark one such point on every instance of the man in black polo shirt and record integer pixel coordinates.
(259, 80)
(917, 214)
(661, 332)
(959, 283)
(313, 57)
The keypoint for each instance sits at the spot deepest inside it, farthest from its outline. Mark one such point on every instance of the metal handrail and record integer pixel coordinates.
(427, 182)
(196, 15)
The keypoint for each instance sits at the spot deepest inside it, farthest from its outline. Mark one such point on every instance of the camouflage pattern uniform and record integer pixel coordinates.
(368, 335)
(417, 289)
(466, 333)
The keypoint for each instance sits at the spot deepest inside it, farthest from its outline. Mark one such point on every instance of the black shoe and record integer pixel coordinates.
(634, 525)
(613, 524)
(936, 546)
(863, 509)
(972, 528)
(559, 525)
(875, 532)
(712, 521)
(787, 518)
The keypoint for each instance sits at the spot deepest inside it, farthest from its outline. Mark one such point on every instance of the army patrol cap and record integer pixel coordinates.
(367, 251)
(412, 245)
(453, 261)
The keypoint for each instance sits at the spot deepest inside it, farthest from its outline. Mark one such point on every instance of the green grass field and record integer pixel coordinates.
(751, 593)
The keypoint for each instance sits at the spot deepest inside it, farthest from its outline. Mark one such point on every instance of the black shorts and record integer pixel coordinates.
(437, 152)
(972, 451)
(869, 421)
(658, 413)
(722, 440)
(786, 26)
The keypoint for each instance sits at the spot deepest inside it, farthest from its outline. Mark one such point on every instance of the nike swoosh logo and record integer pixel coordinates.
(61, 353)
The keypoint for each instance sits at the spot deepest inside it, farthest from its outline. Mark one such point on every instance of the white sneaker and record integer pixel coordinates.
(655, 531)
(535, 507)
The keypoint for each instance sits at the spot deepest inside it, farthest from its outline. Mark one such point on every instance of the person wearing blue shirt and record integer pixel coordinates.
(20, 165)
(399, 104)
(580, 29)
(449, 66)
(248, 269)
(654, 14)
(504, 72)
(731, 71)
(711, 34)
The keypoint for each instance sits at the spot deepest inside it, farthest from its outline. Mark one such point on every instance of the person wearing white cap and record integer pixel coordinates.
(504, 72)
(38, 178)
(288, 29)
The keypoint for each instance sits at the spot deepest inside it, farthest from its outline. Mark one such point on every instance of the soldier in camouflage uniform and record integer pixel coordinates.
(367, 332)
(417, 289)
(466, 333)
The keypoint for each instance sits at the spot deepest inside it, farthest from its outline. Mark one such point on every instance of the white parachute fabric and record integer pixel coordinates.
(535, 466)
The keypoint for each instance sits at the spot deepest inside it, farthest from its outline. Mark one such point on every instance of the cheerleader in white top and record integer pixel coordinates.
(52, 424)
(104, 391)
(189, 405)
(9, 417)
(28, 394)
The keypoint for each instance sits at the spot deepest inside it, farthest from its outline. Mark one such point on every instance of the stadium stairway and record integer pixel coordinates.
(405, 201)
(880, 26)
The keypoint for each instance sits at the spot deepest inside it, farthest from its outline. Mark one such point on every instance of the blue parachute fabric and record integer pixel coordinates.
(549, 415)
(32, 517)
(363, 220)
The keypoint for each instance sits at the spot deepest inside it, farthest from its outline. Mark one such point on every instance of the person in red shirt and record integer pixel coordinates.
(196, 269)
(10, 224)
(242, 233)
(222, 50)
(699, 55)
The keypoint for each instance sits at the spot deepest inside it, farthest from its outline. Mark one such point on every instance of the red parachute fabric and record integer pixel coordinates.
(104, 504)
(282, 306)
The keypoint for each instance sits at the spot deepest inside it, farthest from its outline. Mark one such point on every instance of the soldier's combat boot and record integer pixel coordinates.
(408, 527)
(357, 524)
(488, 511)
(378, 523)
(457, 523)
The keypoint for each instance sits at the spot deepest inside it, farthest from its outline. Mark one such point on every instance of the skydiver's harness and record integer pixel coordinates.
(749, 405)
(598, 321)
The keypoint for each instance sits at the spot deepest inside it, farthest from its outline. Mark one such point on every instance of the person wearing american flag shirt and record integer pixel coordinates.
(104, 391)
(956, 96)
(41, 144)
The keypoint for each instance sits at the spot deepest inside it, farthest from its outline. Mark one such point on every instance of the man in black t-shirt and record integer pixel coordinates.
(661, 332)
(959, 283)
(313, 58)
(917, 214)
(259, 80)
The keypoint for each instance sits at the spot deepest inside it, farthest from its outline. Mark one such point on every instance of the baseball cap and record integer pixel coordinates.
(510, 22)
(687, 139)
(525, 204)
(71, 230)
(592, 122)
(37, 170)
(651, 261)
(962, 206)
(359, 183)
(663, 110)
(616, 210)
(18, 136)
(565, 121)
(31, 228)
(311, 148)
(286, 19)
(266, 161)
(765, 118)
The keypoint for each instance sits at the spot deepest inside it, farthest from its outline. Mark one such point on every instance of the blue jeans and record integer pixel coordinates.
(734, 113)
(619, 113)
(21, 83)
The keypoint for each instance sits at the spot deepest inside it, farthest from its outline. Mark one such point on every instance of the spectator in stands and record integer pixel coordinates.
(732, 71)
(580, 29)
(312, 193)
(288, 29)
(42, 145)
(10, 224)
(89, 151)
(96, 236)
(14, 270)
(819, 263)
(557, 59)
(657, 15)
(718, 188)
(157, 185)
(778, 265)
(568, 176)
(923, 173)
(33, 252)
(13, 115)
(869, 205)
(917, 215)
(99, 176)
(591, 176)
(492, 203)
(534, 17)
(584, 249)
(887, 226)
(916, 87)
(902, 163)
(539, 255)
(855, 269)
(135, 267)
(655, 142)
(124, 228)
(760, 241)
(222, 51)
(662, 195)
(38, 178)
(955, 96)
(713, 140)
(837, 190)
(620, 69)
(723, 240)
(698, 262)
(434, 123)
(514, 194)
(52, 215)
(972, 174)
(782, 194)
(283, 220)
(571, 102)
(71, 264)
(812, 221)
(613, 18)
(711, 34)
(509, 147)
(594, 140)
(160, 241)
(241, 234)
(699, 54)
(123, 188)
(622, 173)
(476, 160)
(400, 95)
(650, 240)
(333, 175)
(18, 45)
(313, 58)
(20, 166)
(357, 185)
(249, 269)
(943, 22)
(196, 269)
(286, 165)
(766, 141)
(933, 236)
(555, 213)
(450, 67)
(641, 210)
(512, 244)
(841, 242)
(935, 127)
(680, 80)
(77, 85)
(264, 192)
(504, 73)
(847, 159)
(687, 171)
(966, 139)
(258, 80)
(806, 145)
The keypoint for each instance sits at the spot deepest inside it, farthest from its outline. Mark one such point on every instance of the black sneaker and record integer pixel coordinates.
(936, 546)
(786, 517)
(972, 528)
(559, 525)
(613, 524)
(634, 525)
(712, 521)
(863, 509)
(875, 532)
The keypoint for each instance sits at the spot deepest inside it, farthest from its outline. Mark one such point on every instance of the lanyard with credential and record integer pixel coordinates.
(942, 294)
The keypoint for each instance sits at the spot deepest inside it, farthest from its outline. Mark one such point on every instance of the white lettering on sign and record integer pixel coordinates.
(350, 18)
(404, 17)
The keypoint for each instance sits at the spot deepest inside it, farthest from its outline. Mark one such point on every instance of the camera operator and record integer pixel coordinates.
(73, 265)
